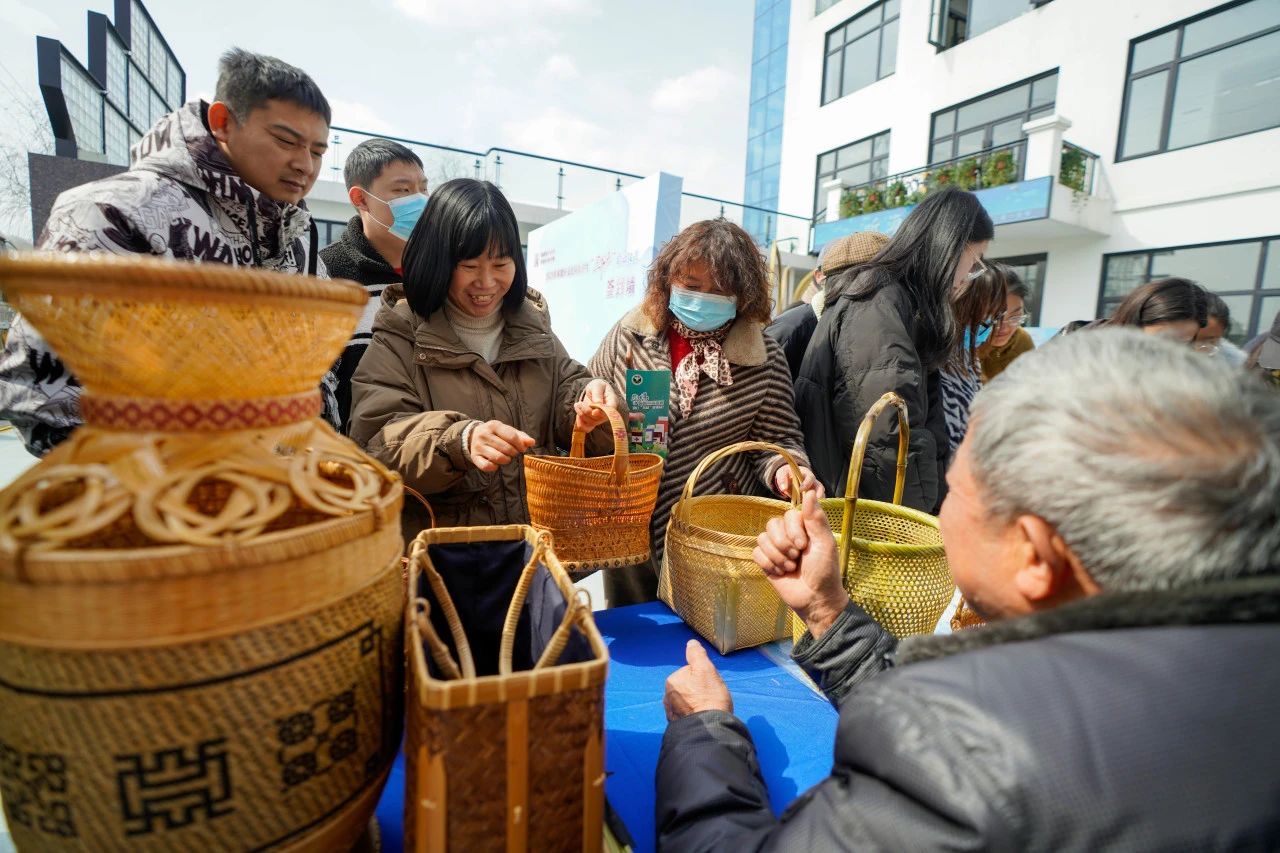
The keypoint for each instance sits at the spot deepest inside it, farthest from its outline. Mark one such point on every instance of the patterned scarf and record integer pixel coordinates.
(707, 356)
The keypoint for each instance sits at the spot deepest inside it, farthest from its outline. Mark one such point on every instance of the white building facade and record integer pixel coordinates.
(1114, 141)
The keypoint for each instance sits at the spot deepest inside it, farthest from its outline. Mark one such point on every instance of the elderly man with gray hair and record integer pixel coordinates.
(1114, 511)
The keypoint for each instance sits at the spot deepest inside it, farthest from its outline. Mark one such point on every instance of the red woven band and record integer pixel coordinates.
(143, 414)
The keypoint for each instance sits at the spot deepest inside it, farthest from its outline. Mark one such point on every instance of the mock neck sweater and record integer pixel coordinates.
(482, 335)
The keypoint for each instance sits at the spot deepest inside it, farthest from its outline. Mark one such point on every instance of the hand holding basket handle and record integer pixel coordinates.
(597, 396)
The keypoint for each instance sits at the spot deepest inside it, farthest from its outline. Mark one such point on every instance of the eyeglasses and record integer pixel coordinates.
(1016, 319)
(978, 269)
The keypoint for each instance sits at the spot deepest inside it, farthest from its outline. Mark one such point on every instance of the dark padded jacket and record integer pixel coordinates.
(1127, 721)
(862, 348)
(354, 258)
(793, 329)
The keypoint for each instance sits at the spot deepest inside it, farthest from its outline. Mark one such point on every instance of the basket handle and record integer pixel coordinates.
(418, 556)
(414, 493)
(860, 453)
(621, 463)
(572, 611)
(740, 447)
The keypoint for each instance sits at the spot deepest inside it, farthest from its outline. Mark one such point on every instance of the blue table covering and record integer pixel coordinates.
(793, 726)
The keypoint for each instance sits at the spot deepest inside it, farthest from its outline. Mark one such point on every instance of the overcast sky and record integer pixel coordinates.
(634, 85)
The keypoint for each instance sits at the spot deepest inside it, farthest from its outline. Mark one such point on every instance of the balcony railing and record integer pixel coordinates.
(1003, 164)
(561, 184)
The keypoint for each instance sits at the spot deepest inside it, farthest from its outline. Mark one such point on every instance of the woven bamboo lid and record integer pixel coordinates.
(162, 329)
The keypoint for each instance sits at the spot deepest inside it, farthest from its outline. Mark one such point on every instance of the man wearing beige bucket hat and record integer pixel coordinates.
(794, 326)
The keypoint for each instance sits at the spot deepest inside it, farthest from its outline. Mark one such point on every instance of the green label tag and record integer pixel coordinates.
(649, 401)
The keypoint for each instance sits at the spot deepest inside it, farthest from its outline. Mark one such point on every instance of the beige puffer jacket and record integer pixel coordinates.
(418, 386)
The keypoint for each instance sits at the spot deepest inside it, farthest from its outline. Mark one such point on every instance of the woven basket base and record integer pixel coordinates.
(352, 824)
(259, 738)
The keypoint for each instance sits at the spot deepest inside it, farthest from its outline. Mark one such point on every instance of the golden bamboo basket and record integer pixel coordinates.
(892, 557)
(505, 744)
(708, 574)
(596, 509)
(200, 593)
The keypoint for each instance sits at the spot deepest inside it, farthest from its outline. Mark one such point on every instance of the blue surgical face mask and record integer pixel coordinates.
(405, 211)
(702, 312)
(984, 332)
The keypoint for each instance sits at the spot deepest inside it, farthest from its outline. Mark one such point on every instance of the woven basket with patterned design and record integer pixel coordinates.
(505, 744)
(597, 509)
(708, 574)
(200, 596)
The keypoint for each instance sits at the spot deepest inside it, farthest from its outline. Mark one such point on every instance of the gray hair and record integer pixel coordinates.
(1159, 467)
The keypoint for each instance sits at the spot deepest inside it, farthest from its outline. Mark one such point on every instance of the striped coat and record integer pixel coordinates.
(758, 406)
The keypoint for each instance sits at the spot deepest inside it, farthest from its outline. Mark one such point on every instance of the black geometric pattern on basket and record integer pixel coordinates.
(33, 786)
(172, 788)
(314, 741)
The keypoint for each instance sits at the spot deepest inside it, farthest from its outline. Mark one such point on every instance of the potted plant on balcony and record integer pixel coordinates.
(1000, 168)
(939, 178)
(1073, 168)
(896, 196)
(850, 203)
(874, 200)
(968, 174)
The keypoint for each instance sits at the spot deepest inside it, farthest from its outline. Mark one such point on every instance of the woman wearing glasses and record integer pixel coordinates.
(1008, 339)
(888, 326)
(979, 306)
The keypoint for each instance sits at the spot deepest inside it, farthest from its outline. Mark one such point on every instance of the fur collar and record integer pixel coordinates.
(743, 345)
(1250, 601)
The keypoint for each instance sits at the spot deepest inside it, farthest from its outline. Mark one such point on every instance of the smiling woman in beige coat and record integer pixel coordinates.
(464, 374)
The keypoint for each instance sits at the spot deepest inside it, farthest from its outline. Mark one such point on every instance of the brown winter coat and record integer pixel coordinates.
(418, 386)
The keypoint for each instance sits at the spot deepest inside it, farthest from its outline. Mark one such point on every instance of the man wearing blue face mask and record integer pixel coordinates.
(388, 188)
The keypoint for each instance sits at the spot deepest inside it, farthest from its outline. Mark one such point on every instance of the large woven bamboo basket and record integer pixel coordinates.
(200, 592)
(708, 575)
(893, 561)
(596, 509)
(505, 743)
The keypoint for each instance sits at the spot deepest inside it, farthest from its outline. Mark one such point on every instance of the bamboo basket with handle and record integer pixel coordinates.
(505, 744)
(891, 556)
(708, 574)
(200, 598)
(597, 509)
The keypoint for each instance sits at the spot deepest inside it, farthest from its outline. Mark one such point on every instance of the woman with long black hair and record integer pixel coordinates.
(464, 374)
(888, 326)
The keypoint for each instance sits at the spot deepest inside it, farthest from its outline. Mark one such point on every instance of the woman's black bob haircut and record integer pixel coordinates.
(464, 219)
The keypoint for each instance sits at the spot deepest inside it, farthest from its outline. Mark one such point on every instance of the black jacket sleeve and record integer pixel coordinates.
(792, 329)
(852, 650)
(909, 774)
